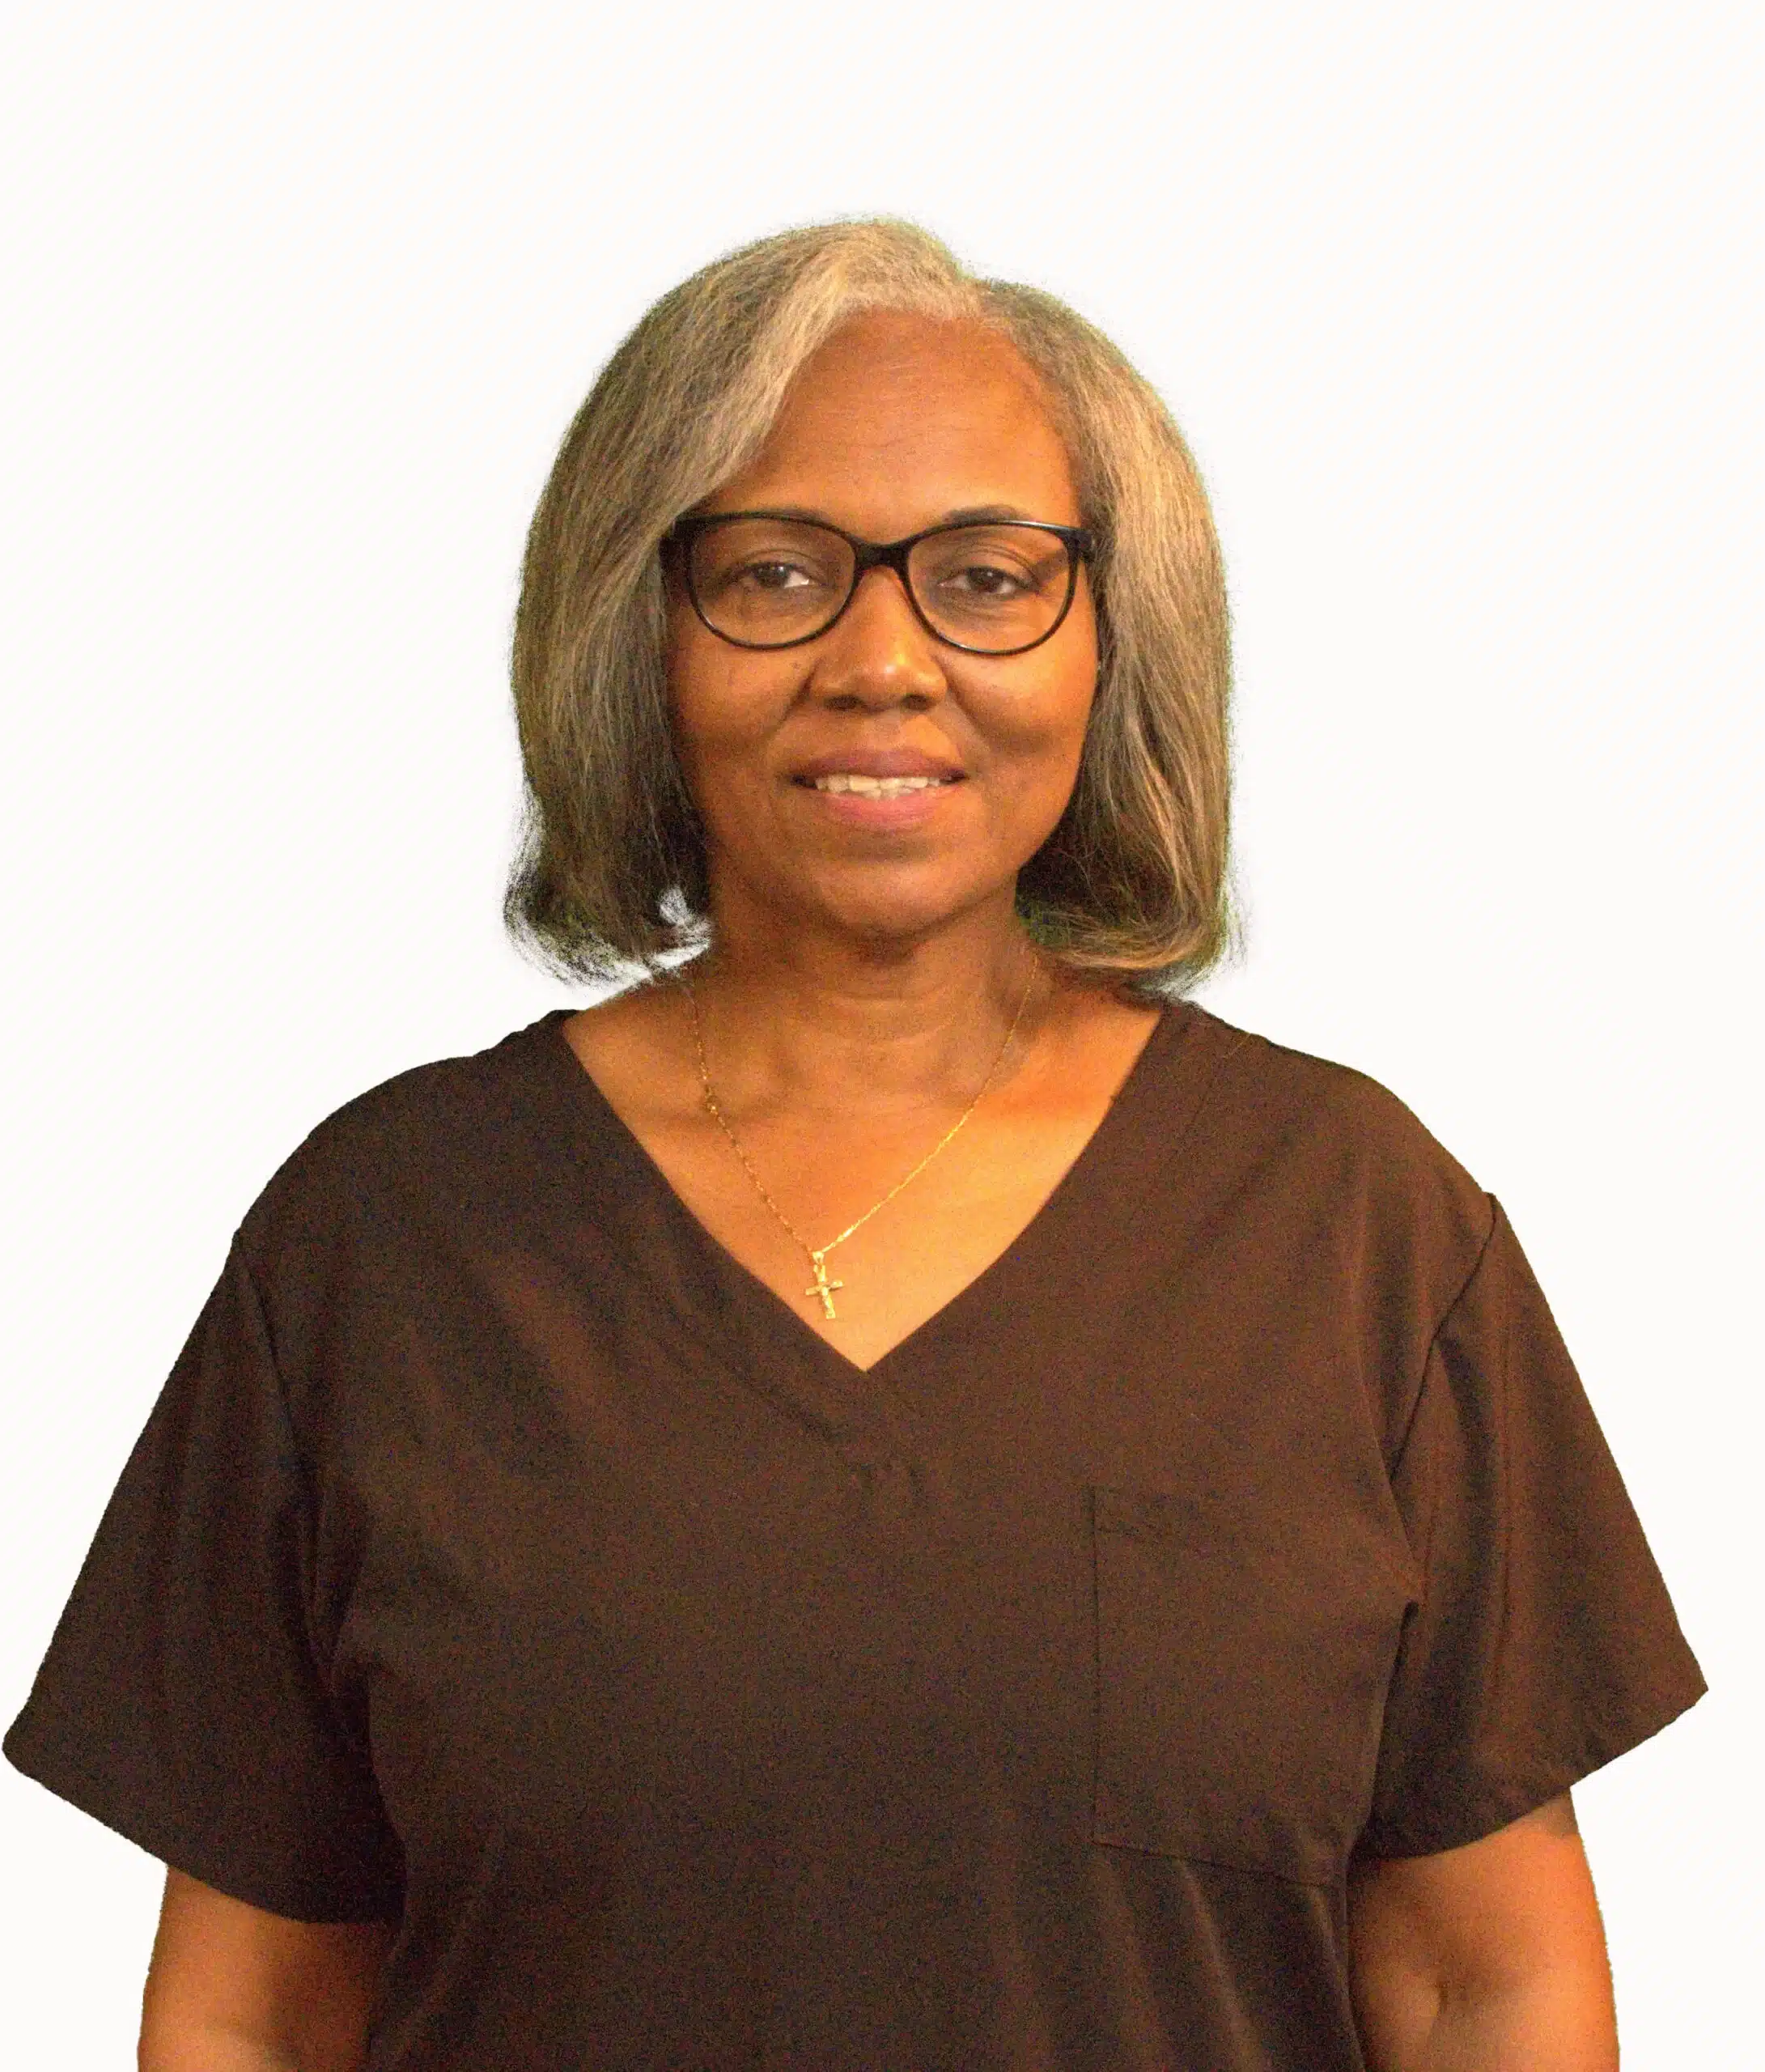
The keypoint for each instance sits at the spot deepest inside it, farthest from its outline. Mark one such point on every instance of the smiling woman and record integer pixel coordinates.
(1133, 878)
(894, 423)
(894, 1494)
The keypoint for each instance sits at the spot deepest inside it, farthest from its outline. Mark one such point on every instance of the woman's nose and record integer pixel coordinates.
(878, 652)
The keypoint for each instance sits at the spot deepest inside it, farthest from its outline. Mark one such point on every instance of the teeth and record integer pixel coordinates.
(875, 788)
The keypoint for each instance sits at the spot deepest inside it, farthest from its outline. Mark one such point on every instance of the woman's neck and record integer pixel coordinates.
(820, 1022)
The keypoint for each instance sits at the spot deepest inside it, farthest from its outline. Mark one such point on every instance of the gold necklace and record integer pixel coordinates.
(824, 1289)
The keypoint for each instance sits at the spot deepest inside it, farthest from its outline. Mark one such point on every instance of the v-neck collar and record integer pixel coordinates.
(1122, 1152)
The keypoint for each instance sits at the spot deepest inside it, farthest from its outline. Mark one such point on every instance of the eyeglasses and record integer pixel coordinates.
(761, 579)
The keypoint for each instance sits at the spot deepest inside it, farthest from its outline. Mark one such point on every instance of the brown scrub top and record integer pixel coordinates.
(503, 1559)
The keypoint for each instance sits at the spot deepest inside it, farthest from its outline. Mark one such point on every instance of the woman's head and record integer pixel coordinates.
(730, 387)
(960, 678)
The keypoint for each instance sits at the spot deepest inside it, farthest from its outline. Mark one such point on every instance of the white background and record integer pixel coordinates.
(1453, 305)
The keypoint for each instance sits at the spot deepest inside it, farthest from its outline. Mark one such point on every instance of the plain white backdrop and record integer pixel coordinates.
(1452, 304)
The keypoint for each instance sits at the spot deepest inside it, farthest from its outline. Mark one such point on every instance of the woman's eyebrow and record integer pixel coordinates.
(971, 514)
(984, 514)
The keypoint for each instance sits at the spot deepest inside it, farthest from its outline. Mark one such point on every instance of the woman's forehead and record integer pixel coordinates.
(900, 357)
(929, 409)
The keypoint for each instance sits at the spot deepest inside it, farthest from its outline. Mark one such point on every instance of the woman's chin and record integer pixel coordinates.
(900, 913)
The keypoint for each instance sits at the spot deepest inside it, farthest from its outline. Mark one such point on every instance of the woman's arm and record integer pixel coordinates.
(1486, 1959)
(232, 1988)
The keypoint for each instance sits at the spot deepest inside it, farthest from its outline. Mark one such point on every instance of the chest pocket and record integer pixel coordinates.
(1241, 1683)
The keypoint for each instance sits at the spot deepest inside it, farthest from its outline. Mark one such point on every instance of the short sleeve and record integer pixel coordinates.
(1544, 1643)
(181, 1702)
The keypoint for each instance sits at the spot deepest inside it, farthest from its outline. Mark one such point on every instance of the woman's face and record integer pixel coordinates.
(896, 424)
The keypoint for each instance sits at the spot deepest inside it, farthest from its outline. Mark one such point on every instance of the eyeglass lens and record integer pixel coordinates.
(768, 581)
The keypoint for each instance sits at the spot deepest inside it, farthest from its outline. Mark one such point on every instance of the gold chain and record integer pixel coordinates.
(824, 1289)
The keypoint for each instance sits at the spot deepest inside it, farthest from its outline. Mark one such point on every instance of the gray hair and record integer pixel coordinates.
(612, 870)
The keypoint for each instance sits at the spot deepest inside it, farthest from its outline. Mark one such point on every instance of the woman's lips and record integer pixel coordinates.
(866, 786)
(860, 800)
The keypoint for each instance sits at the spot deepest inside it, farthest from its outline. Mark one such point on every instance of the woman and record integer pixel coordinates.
(893, 1495)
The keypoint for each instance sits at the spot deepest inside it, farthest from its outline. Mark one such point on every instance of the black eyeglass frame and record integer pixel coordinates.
(868, 555)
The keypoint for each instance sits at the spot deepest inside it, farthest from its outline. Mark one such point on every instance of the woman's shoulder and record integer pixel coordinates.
(1327, 1134)
(1276, 1085)
(449, 1132)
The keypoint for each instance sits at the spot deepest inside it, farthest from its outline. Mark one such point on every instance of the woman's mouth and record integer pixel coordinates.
(861, 800)
(873, 787)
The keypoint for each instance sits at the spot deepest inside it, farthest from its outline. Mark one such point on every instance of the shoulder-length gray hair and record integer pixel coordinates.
(612, 871)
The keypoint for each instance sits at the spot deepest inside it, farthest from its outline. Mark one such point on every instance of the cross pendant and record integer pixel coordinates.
(823, 1286)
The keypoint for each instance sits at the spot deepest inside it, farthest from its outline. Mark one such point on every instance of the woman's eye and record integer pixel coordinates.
(983, 581)
(774, 575)
(986, 582)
